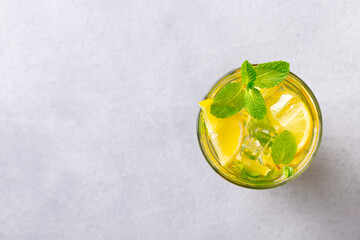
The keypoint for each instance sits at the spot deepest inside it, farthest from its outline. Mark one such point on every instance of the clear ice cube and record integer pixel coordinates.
(259, 135)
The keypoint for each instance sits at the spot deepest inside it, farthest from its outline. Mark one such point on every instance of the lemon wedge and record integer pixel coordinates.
(226, 133)
(288, 112)
(254, 166)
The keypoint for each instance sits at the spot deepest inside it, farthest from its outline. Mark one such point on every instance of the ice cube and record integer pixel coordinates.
(259, 135)
(252, 148)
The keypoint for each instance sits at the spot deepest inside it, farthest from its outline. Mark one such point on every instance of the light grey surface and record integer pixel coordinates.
(98, 103)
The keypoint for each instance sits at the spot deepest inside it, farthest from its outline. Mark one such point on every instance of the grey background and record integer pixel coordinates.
(98, 104)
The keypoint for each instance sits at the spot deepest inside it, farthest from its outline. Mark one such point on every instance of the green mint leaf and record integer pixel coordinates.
(228, 101)
(271, 74)
(284, 147)
(248, 73)
(287, 171)
(255, 103)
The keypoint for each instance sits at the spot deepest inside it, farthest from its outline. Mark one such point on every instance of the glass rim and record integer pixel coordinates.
(287, 180)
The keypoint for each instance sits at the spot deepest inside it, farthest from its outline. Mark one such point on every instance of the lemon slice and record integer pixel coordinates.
(288, 112)
(226, 133)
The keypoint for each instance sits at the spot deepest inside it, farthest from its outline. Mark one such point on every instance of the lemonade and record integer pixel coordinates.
(259, 131)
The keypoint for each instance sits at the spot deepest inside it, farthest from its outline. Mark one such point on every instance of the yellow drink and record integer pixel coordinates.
(238, 147)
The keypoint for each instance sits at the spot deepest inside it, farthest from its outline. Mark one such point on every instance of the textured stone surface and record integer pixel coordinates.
(98, 104)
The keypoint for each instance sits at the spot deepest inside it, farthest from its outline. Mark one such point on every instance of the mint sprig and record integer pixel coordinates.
(233, 97)
(284, 148)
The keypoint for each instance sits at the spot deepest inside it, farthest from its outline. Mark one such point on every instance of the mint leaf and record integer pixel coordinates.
(228, 101)
(248, 73)
(287, 171)
(255, 103)
(283, 149)
(251, 172)
(271, 74)
(222, 111)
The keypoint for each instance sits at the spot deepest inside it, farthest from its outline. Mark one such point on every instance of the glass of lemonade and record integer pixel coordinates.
(241, 148)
